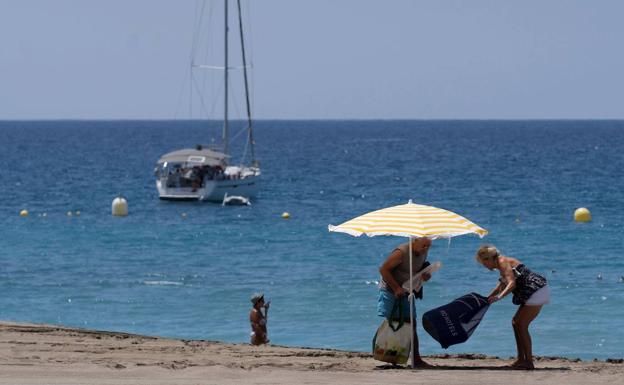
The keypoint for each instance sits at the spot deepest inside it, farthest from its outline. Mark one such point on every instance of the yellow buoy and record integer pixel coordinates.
(119, 207)
(285, 215)
(24, 213)
(582, 215)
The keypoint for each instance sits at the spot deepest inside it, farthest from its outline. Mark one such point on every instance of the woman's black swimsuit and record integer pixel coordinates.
(527, 283)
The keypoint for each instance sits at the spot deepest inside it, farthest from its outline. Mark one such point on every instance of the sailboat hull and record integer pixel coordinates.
(212, 191)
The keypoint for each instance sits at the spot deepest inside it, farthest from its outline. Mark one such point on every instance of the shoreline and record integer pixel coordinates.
(53, 354)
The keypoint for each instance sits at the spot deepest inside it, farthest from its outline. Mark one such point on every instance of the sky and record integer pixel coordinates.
(320, 59)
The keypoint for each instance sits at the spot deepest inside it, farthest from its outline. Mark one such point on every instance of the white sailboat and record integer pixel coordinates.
(206, 174)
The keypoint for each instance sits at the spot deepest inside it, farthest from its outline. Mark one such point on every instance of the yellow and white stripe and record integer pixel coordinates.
(410, 220)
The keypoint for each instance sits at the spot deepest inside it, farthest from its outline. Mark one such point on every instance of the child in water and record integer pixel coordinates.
(258, 319)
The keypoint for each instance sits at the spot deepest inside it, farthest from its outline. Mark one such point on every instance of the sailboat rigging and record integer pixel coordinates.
(206, 173)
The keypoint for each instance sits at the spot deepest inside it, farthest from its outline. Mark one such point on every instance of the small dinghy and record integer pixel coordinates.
(232, 200)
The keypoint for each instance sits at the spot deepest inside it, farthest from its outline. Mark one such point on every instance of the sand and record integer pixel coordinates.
(48, 354)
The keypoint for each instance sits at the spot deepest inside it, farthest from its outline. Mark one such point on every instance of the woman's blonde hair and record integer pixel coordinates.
(486, 252)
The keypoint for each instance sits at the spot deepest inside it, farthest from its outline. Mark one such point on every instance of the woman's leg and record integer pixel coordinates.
(520, 355)
(523, 318)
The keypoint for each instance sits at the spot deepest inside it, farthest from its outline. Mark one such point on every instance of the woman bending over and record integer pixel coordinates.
(530, 291)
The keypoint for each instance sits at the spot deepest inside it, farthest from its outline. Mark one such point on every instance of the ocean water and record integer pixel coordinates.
(159, 272)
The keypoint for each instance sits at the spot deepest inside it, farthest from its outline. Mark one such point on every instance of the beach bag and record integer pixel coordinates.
(393, 341)
(455, 322)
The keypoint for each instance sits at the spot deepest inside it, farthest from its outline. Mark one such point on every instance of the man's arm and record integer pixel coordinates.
(425, 277)
(393, 260)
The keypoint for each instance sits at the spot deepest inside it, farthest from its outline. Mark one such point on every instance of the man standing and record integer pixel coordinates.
(395, 271)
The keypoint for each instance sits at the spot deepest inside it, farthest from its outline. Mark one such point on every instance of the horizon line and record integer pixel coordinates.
(314, 119)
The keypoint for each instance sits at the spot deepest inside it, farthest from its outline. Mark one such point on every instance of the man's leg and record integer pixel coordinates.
(418, 361)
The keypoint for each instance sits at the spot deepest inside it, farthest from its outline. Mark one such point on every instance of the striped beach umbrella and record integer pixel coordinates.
(412, 221)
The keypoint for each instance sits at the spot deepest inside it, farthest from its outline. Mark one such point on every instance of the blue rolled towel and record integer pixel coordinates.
(454, 322)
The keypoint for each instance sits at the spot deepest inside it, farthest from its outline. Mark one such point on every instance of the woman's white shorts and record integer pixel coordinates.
(540, 297)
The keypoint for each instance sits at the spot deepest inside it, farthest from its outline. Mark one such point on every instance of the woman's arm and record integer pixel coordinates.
(496, 290)
(510, 277)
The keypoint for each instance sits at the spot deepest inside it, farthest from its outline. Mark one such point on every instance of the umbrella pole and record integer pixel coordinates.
(411, 303)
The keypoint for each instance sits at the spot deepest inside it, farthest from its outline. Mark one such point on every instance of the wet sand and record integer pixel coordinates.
(48, 354)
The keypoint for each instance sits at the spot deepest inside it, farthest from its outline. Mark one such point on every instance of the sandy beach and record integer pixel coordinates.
(48, 354)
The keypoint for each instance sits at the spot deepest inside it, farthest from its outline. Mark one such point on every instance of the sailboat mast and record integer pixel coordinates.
(249, 127)
(225, 71)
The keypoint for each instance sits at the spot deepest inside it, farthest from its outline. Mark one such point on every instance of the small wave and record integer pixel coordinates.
(162, 283)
